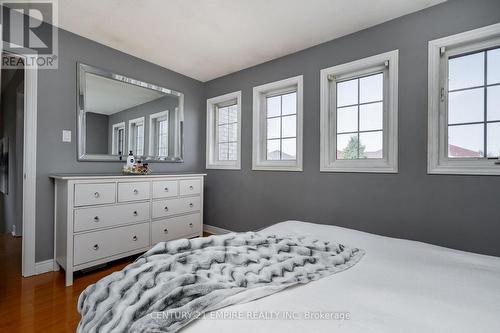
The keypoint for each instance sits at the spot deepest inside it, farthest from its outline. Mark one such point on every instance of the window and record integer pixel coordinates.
(136, 136)
(224, 131)
(359, 115)
(277, 125)
(158, 134)
(118, 140)
(464, 103)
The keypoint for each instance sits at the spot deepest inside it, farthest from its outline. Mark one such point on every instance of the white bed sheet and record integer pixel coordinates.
(398, 286)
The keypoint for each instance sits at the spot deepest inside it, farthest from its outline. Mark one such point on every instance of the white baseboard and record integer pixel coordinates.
(44, 266)
(215, 230)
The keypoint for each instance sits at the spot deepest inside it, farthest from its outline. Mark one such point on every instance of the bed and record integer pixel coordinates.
(398, 286)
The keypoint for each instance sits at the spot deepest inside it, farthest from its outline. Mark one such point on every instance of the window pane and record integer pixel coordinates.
(466, 106)
(273, 106)
(370, 145)
(347, 93)
(347, 119)
(494, 103)
(493, 140)
(289, 103)
(347, 146)
(466, 71)
(232, 132)
(223, 133)
(371, 88)
(493, 66)
(223, 114)
(371, 116)
(289, 124)
(223, 150)
(232, 114)
(466, 141)
(273, 149)
(232, 151)
(289, 149)
(273, 128)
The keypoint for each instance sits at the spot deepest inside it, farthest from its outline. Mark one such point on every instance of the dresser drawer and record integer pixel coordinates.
(101, 217)
(169, 207)
(190, 186)
(101, 244)
(165, 189)
(94, 194)
(133, 191)
(175, 227)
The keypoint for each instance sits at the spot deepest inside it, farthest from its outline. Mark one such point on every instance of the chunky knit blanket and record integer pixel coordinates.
(177, 281)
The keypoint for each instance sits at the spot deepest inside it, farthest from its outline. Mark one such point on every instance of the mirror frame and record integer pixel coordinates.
(81, 118)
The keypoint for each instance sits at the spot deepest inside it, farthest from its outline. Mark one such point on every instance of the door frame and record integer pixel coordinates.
(29, 163)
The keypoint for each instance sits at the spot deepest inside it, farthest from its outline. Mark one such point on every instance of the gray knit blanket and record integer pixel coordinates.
(177, 281)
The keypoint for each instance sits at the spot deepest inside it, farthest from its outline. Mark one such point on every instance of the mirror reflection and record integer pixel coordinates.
(119, 115)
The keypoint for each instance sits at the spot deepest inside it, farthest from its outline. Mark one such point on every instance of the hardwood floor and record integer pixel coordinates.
(41, 303)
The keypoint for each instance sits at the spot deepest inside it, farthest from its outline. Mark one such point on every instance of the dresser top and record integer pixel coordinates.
(74, 176)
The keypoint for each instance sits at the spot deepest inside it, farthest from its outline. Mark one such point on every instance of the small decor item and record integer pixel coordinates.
(137, 169)
(130, 159)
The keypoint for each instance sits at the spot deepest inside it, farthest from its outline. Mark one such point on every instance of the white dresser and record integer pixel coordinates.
(102, 218)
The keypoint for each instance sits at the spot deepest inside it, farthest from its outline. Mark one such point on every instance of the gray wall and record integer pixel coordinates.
(461, 212)
(57, 111)
(97, 126)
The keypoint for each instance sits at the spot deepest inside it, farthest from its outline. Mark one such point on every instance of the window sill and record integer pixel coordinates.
(478, 168)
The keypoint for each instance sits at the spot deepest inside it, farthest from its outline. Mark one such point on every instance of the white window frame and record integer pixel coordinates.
(114, 140)
(387, 62)
(212, 153)
(153, 132)
(131, 132)
(259, 154)
(438, 161)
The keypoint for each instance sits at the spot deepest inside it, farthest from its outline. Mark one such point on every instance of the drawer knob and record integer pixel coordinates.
(166, 208)
(134, 238)
(96, 218)
(191, 187)
(190, 225)
(165, 231)
(166, 189)
(96, 247)
(96, 195)
(191, 205)
(135, 213)
(136, 191)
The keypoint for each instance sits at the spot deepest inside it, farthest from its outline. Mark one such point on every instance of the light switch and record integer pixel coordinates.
(66, 136)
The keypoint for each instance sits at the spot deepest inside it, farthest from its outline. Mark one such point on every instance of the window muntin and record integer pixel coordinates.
(281, 130)
(359, 110)
(227, 132)
(473, 111)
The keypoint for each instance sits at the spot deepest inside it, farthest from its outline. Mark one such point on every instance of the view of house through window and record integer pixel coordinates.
(360, 104)
(281, 118)
(474, 105)
(227, 132)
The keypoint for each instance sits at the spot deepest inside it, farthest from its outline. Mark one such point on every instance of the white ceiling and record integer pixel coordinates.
(206, 39)
(107, 96)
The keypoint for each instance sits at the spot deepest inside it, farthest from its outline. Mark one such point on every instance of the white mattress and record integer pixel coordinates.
(398, 286)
